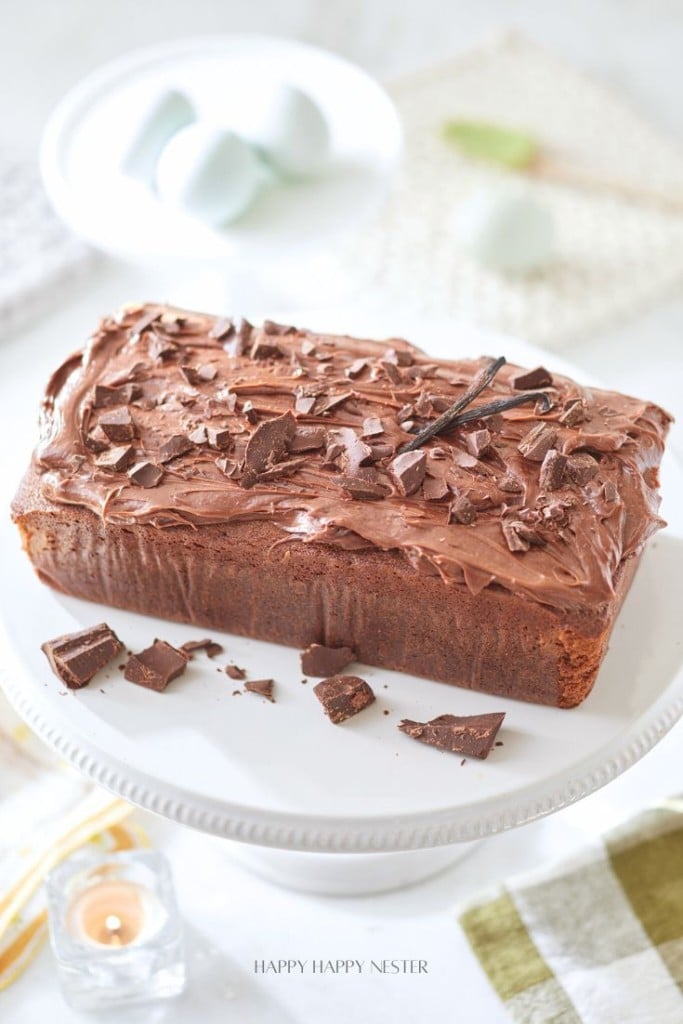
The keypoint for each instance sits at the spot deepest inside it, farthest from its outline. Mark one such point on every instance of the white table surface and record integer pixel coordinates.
(44, 48)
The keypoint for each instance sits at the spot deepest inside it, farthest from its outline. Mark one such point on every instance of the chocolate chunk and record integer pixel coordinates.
(609, 491)
(462, 511)
(176, 445)
(573, 413)
(372, 425)
(510, 484)
(343, 696)
(109, 396)
(249, 411)
(552, 470)
(267, 446)
(319, 660)
(161, 347)
(272, 327)
(325, 405)
(139, 327)
(364, 487)
(96, 440)
(537, 442)
(399, 356)
(219, 437)
(280, 470)
(235, 672)
(405, 412)
(307, 347)
(308, 439)
(222, 328)
(263, 348)
(355, 453)
(199, 374)
(264, 687)
(434, 488)
(356, 368)
(381, 451)
(304, 404)
(156, 666)
(532, 379)
(116, 459)
(424, 406)
(519, 536)
(227, 466)
(581, 468)
(76, 657)
(198, 435)
(471, 735)
(146, 474)
(478, 442)
(392, 371)
(408, 471)
(211, 647)
(118, 425)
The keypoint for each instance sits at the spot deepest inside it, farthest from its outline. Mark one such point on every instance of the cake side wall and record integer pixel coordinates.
(243, 579)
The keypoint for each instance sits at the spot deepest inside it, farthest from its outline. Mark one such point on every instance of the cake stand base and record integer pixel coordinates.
(346, 874)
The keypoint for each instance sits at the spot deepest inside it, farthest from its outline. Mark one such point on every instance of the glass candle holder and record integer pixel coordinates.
(115, 928)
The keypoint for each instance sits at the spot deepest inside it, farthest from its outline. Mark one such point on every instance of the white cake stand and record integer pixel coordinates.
(280, 776)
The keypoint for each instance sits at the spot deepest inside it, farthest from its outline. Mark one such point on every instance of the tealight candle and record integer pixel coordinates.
(115, 928)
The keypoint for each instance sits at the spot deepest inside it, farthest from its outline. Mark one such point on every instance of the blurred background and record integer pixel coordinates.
(633, 45)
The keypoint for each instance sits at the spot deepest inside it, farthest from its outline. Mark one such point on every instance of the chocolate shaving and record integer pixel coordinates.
(581, 468)
(478, 442)
(304, 404)
(532, 379)
(355, 369)
(142, 323)
(267, 446)
(146, 474)
(219, 437)
(471, 735)
(552, 470)
(519, 536)
(198, 435)
(235, 672)
(319, 660)
(263, 687)
(408, 471)
(343, 696)
(156, 666)
(176, 445)
(372, 426)
(462, 511)
(108, 396)
(325, 405)
(434, 488)
(573, 413)
(118, 425)
(116, 459)
(536, 444)
(392, 371)
(212, 647)
(263, 348)
(308, 439)
(76, 657)
(363, 488)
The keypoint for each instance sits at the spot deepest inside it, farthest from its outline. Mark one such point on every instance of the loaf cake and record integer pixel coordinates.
(280, 484)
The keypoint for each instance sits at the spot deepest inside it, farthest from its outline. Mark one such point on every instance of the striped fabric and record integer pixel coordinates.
(597, 939)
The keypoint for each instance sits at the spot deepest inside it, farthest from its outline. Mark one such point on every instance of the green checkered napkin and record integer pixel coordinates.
(596, 939)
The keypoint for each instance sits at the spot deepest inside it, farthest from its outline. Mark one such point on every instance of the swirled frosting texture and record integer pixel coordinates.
(160, 421)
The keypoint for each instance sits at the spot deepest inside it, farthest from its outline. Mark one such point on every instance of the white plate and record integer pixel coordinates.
(282, 775)
(86, 138)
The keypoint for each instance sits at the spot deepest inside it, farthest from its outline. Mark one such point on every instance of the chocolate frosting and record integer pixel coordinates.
(221, 381)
